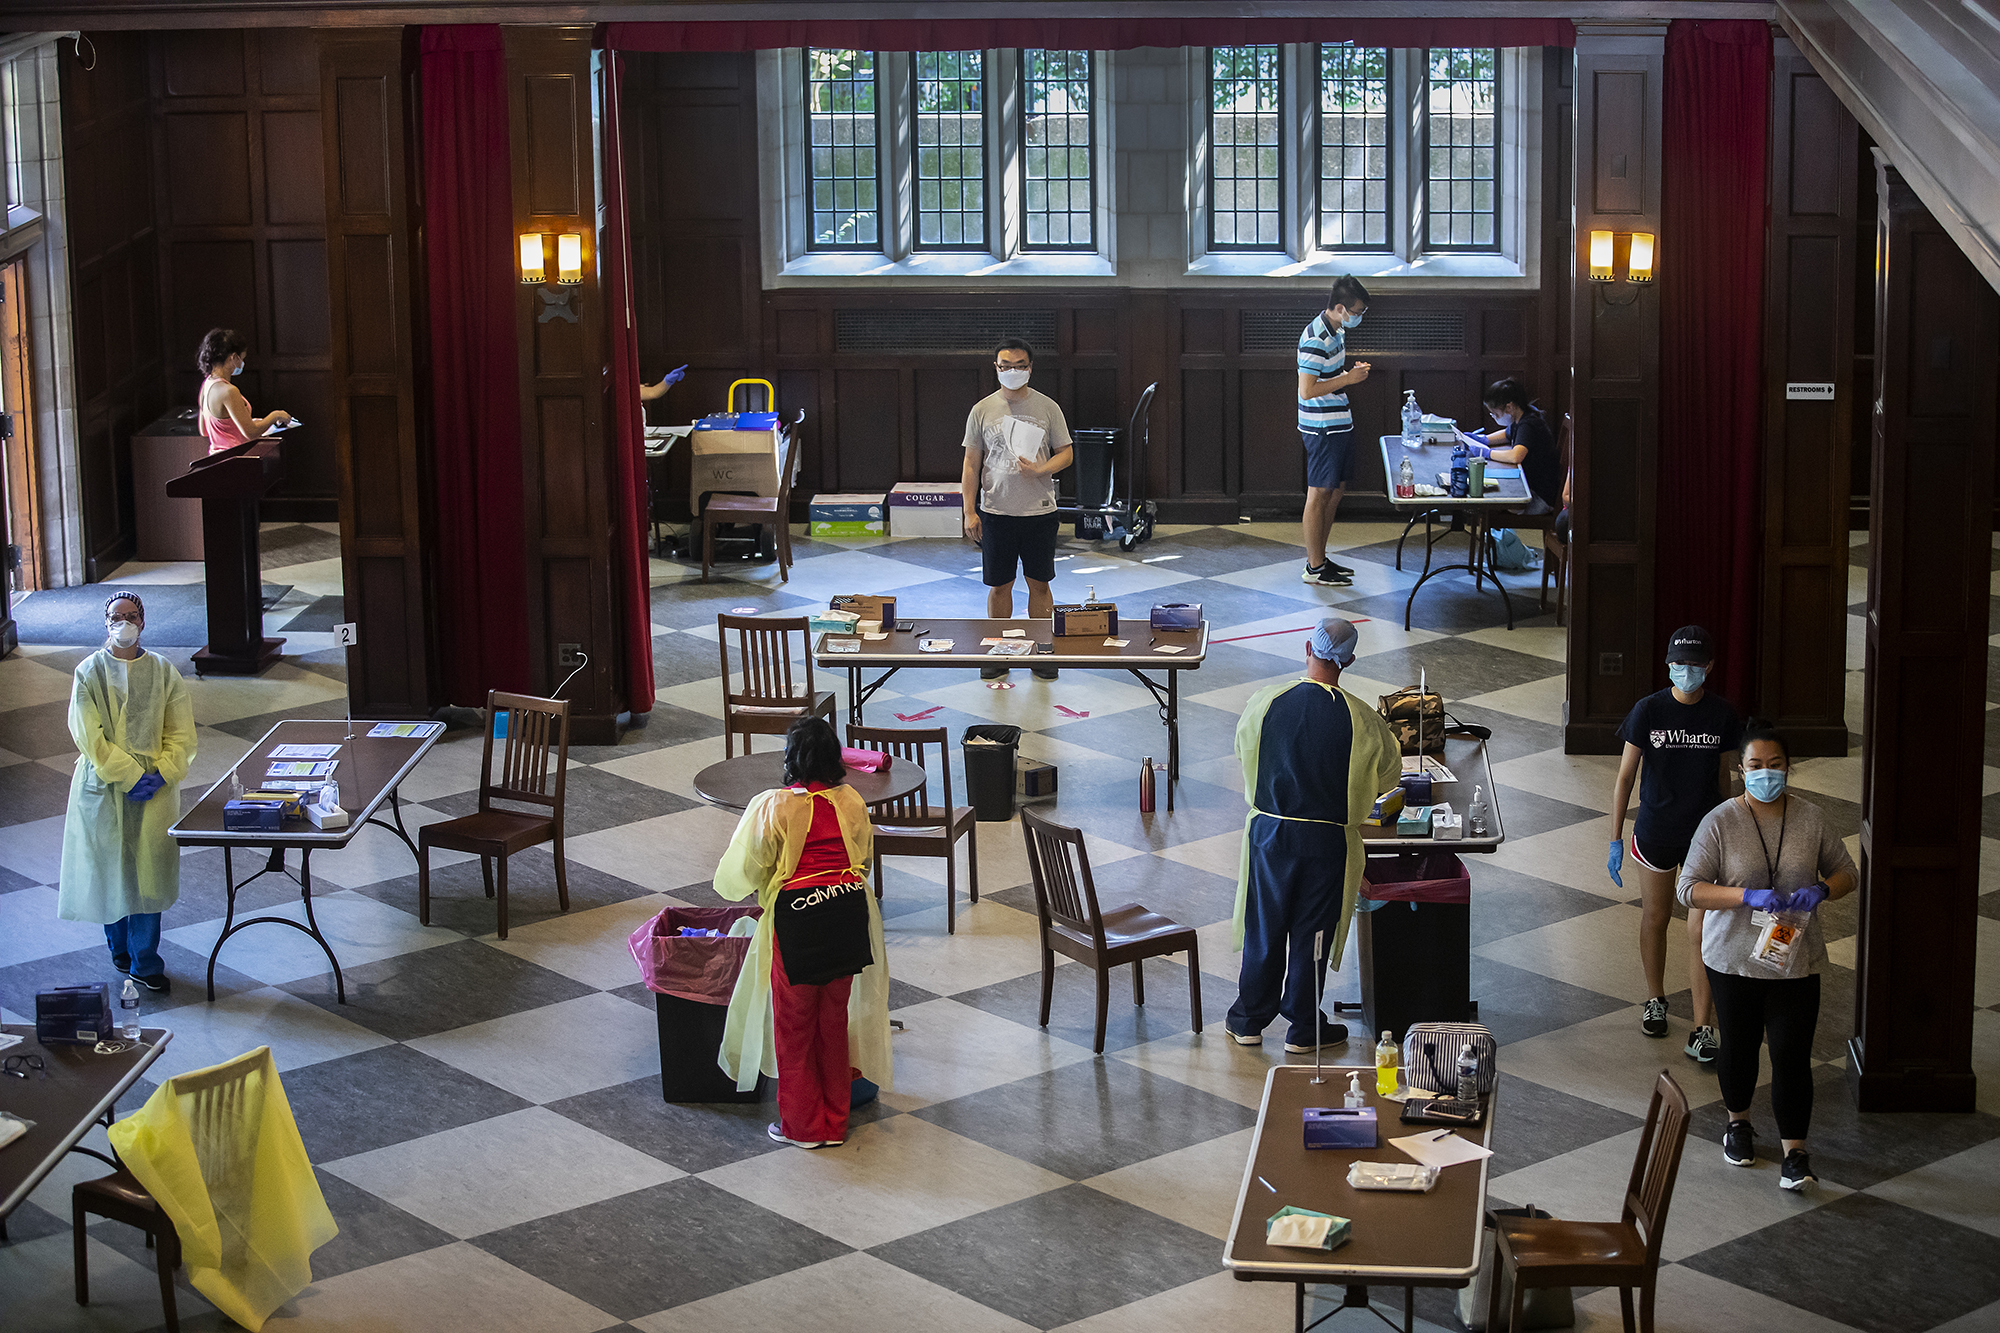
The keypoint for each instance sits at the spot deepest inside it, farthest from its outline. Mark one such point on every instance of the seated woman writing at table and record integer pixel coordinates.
(1524, 439)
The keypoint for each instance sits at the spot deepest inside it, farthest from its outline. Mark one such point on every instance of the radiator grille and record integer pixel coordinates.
(904, 332)
(1406, 331)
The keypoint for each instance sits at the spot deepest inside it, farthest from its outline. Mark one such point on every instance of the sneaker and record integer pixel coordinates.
(1245, 1038)
(1340, 570)
(1703, 1044)
(776, 1133)
(1325, 577)
(1331, 1034)
(159, 985)
(1797, 1172)
(993, 673)
(123, 963)
(1739, 1144)
(1045, 673)
(1654, 1021)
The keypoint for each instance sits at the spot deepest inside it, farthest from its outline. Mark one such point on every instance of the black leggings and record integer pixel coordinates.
(1751, 1011)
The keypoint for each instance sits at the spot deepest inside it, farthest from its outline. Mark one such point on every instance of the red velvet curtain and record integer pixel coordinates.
(1080, 34)
(628, 414)
(1709, 545)
(475, 377)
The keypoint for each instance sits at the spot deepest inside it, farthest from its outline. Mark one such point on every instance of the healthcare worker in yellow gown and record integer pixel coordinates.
(811, 1005)
(131, 720)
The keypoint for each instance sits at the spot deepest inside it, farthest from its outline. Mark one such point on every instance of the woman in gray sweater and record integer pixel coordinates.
(1758, 859)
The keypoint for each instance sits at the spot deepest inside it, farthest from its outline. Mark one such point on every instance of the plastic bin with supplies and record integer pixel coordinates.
(691, 978)
(989, 769)
(1415, 940)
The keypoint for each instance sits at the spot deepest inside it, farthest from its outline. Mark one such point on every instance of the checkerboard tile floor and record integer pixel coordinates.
(486, 1116)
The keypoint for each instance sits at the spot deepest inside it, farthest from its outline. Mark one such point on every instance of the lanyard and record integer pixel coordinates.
(1771, 863)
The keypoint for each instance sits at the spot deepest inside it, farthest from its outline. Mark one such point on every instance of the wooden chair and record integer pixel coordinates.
(1074, 926)
(122, 1198)
(1555, 554)
(533, 765)
(1550, 1252)
(911, 825)
(770, 700)
(772, 511)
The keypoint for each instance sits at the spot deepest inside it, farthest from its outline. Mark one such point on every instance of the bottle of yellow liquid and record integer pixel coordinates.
(1385, 1064)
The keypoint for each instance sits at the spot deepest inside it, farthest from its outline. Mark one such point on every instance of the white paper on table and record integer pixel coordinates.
(1170, 648)
(1430, 1150)
(1013, 634)
(1024, 438)
(1116, 643)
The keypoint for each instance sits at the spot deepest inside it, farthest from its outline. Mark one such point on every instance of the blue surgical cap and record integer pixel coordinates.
(1333, 640)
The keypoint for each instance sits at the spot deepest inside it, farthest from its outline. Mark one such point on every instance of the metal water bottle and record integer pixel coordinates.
(1146, 785)
(1461, 472)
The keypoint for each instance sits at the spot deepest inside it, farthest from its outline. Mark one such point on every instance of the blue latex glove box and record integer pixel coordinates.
(253, 817)
(1340, 1126)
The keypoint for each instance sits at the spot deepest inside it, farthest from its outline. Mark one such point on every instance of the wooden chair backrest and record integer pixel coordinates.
(534, 755)
(906, 745)
(224, 1109)
(765, 647)
(785, 469)
(1064, 891)
(1657, 1163)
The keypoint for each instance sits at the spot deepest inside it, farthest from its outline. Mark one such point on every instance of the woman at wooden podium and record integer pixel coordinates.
(225, 418)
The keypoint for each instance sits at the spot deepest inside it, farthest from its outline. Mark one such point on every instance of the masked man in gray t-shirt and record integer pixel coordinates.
(1015, 442)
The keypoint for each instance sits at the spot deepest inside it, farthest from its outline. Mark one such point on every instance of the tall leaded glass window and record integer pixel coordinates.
(951, 150)
(1058, 168)
(1353, 148)
(1243, 172)
(1461, 187)
(843, 179)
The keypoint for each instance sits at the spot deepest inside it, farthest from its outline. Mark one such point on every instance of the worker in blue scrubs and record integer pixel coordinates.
(1314, 759)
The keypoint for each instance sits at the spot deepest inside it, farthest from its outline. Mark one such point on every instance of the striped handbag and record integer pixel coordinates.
(1431, 1050)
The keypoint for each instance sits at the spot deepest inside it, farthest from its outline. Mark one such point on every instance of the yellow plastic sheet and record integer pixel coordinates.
(219, 1150)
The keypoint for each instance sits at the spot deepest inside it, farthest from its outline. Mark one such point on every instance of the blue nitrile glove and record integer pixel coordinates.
(1806, 899)
(673, 376)
(1765, 900)
(143, 789)
(1616, 861)
(1475, 450)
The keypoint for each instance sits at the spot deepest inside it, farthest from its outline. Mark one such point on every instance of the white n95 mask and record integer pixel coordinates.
(124, 634)
(1013, 379)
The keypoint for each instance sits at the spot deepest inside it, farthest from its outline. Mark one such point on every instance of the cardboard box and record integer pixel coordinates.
(1033, 779)
(739, 461)
(1414, 822)
(865, 606)
(821, 527)
(848, 516)
(1090, 620)
(927, 509)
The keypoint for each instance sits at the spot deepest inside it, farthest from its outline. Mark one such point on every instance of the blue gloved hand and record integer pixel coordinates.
(1765, 900)
(1806, 899)
(1478, 450)
(143, 789)
(673, 376)
(1616, 861)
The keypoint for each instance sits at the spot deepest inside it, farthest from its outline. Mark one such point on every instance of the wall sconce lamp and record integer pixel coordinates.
(1638, 263)
(556, 303)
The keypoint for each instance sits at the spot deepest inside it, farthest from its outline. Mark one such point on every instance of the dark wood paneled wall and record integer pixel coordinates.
(1616, 349)
(1809, 338)
(565, 439)
(379, 418)
(114, 284)
(240, 195)
(1937, 423)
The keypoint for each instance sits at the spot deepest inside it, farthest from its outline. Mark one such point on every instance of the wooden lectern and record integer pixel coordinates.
(229, 485)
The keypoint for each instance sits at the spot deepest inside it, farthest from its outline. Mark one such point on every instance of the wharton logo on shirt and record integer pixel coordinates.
(1666, 739)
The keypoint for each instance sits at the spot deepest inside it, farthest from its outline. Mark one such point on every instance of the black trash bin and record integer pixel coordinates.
(1416, 946)
(989, 769)
(691, 980)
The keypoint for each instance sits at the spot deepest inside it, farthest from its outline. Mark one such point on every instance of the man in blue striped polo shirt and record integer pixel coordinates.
(1325, 424)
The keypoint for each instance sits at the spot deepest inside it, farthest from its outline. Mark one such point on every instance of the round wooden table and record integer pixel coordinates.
(732, 783)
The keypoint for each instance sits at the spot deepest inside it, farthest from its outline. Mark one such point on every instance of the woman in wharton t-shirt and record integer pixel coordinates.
(1681, 744)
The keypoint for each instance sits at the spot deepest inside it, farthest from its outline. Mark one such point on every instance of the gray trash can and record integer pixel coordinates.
(989, 769)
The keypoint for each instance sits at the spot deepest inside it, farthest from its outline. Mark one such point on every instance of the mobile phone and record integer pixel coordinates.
(1045, 648)
(906, 625)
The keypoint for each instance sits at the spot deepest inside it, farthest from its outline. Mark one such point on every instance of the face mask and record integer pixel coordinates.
(124, 634)
(1765, 784)
(1350, 321)
(1013, 379)
(238, 371)
(1686, 678)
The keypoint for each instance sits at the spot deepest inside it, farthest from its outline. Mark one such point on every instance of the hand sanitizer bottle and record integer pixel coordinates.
(1475, 818)
(1355, 1097)
(1413, 420)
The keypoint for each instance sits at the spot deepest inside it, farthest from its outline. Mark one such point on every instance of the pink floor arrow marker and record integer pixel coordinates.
(1070, 712)
(918, 717)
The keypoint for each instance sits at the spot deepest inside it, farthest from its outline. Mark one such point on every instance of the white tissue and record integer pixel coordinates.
(1298, 1229)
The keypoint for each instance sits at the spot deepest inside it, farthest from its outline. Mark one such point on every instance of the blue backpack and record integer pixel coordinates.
(1510, 553)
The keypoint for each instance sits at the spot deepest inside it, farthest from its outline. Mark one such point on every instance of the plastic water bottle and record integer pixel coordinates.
(1413, 420)
(128, 1006)
(1406, 480)
(1385, 1064)
(1475, 816)
(1468, 1075)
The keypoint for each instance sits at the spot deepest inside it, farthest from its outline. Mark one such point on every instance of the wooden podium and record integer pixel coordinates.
(229, 485)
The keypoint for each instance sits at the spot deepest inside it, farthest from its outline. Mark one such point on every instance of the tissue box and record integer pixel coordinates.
(1447, 828)
(832, 622)
(1340, 1126)
(248, 816)
(1387, 806)
(1414, 822)
(73, 1015)
(327, 816)
(1091, 620)
(1177, 615)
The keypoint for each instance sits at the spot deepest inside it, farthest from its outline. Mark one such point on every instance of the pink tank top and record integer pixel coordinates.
(221, 432)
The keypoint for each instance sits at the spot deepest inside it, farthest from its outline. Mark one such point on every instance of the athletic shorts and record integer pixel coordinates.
(1329, 456)
(1005, 539)
(1665, 857)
